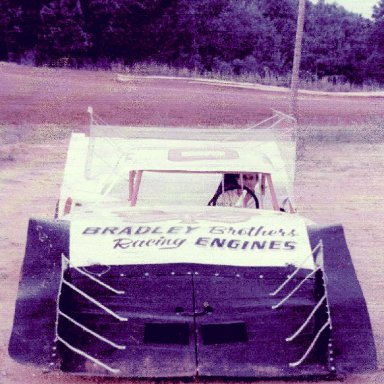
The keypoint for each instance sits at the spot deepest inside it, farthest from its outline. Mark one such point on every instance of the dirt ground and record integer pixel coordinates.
(339, 170)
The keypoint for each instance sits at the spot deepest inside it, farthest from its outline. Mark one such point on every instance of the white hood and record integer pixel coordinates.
(216, 236)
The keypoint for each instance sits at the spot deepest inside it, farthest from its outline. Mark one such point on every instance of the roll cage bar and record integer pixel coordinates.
(100, 129)
(135, 178)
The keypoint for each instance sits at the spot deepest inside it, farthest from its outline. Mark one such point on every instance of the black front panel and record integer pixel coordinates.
(158, 341)
(230, 308)
(33, 334)
(243, 336)
(352, 338)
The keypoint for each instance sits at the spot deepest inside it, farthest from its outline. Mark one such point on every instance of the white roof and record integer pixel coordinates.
(189, 155)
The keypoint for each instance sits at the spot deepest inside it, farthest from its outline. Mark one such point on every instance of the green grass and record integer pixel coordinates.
(154, 69)
(14, 138)
(33, 133)
(370, 132)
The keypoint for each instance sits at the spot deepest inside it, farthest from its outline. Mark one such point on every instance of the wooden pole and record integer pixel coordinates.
(296, 60)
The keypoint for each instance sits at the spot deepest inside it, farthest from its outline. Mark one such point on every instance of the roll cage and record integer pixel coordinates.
(264, 185)
(114, 158)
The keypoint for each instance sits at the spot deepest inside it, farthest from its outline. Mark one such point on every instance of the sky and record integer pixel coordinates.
(363, 7)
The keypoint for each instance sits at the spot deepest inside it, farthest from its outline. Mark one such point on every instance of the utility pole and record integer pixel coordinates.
(296, 60)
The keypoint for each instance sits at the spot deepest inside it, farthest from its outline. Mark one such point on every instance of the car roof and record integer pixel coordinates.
(192, 155)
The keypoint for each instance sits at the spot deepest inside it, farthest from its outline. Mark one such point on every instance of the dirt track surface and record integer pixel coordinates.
(51, 96)
(337, 181)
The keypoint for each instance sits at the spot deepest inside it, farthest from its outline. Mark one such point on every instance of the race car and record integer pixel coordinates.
(185, 258)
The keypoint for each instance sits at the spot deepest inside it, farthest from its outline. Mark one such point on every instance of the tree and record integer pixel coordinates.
(334, 42)
(229, 36)
(375, 62)
(378, 10)
(5, 27)
(61, 34)
(19, 22)
(283, 15)
(250, 42)
(222, 35)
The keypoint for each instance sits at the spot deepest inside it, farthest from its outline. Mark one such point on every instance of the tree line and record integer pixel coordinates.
(233, 37)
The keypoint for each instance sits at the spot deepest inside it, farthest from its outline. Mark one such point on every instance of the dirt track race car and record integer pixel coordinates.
(176, 257)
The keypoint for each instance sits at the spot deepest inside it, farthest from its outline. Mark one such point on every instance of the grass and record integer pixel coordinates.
(14, 139)
(370, 132)
(33, 134)
(155, 69)
(46, 133)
